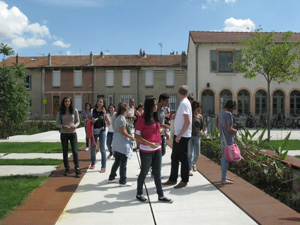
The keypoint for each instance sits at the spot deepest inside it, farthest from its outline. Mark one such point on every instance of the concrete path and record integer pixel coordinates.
(33, 156)
(98, 202)
(27, 170)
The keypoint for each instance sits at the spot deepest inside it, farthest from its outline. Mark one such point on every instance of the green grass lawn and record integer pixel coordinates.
(291, 144)
(32, 162)
(32, 147)
(14, 189)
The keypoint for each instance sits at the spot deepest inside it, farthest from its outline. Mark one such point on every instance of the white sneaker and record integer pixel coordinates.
(125, 185)
(112, 181)
(87, 149)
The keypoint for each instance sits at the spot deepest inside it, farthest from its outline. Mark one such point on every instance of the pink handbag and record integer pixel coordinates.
(232, 153)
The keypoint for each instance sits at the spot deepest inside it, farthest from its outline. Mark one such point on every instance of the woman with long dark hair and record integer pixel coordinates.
(147, 132)
(67, 120)
(99, 118)
(121, 145)
(110, 131)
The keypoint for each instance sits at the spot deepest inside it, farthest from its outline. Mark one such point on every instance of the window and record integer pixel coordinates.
(173, 102)
(295, 103)
(28, 82)
(149, 78)
(224, 97)
(125, 98)
(109, 99)
(77, 78)
(170, 78)
(109, 78)
(126, 78)
(278, 102)
(243, 102)
(220, 61)
(78, 102)
(56, 78)
(260, 102)
(209, 98)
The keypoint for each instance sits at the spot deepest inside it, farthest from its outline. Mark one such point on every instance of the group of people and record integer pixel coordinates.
(146, 128)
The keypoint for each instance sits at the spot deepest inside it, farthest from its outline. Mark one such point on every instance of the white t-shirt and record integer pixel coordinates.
(184, 108)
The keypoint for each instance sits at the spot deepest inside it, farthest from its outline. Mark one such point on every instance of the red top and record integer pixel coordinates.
(150, 133)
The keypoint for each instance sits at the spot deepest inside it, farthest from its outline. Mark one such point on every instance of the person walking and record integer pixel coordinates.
(67, 120)
(130, 117)
(195, 141)
(227, 133)
(147, 132)
(121, 146)
(182, 134)
(99, 118)
(85, 116)
(110, 131)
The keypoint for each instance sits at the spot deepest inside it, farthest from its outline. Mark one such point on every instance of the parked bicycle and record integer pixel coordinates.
(279, 121)
(250, 122)
(292, 122)
(261, 122)
(237, 122)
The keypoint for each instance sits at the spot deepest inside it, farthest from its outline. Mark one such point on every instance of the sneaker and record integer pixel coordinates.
(191, 173)
(125, 185)
(112, 181)
(87, 149)
(142, 198)
(194, 168)
(77, 171)
(102, 170)
(165, 200)
(181, 185)
(92, 167)
(66, 172)
(168, 182)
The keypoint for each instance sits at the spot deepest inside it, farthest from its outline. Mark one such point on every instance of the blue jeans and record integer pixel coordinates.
(120, 160)
(180, 154)
(87, 140)
(148, 159)
(101, 137)
(224, 164)
(194, 150)
(109, 139)
(65, 138)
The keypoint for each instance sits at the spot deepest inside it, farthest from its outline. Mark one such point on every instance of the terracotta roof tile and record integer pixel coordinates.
(229, 37)
(106, 60)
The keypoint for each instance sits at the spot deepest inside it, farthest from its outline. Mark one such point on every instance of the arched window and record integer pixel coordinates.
(295, 103)
(278, 102)
(243, 102)
(260, 102)
(208, 102)
(224, 97)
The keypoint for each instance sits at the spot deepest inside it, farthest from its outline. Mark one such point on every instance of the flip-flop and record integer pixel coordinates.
(227, 182)
(230, 179)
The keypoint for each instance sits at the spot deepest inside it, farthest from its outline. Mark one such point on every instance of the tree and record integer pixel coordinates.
(6, 50)
(14, 97)
(272, 55)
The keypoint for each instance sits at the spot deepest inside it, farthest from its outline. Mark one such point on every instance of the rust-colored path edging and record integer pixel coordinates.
(47, 202)
(261, 207)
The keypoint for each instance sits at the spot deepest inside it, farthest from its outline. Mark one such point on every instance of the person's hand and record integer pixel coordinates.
(104, 110)
(132, 138)
(66, 127)
(173, 116)
(167, 136)
(94, 120)
(177, 139)
(165, 126)
(153, 145)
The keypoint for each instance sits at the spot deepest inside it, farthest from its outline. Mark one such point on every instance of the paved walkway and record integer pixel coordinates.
(98, 202)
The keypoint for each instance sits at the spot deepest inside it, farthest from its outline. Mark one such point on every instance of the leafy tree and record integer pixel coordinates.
(275, 56)
(6, 50)
(13, 98)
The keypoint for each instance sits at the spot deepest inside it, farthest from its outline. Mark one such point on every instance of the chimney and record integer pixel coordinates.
(17, 58)
(183, 58)
(141, 52)
(91, 58)
(49, 59)
(101, 54)
(144, 54)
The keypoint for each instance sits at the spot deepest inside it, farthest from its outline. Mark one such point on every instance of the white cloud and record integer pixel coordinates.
(68, 52)
(21, 42)
(81, 3)
(233, 24)
(61, 44)
(229, 1)
(204, 6)
(38, 30)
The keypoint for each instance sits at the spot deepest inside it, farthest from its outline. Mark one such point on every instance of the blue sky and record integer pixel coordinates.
(72, 27)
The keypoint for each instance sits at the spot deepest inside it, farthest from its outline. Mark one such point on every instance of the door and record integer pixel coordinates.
(55, 104)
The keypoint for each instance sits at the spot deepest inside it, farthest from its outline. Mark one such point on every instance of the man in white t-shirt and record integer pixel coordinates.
(182, 134)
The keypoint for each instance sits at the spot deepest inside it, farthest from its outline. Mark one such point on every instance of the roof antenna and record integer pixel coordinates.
(161, 45)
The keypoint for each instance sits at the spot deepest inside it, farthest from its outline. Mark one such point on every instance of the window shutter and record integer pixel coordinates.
(213, 61)
(56, 78)
(109, 78)
(77, 78)
(170, 78)
(126, 78)
(149, 78)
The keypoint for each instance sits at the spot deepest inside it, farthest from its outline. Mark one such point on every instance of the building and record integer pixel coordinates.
(212, 80)
(116, 78)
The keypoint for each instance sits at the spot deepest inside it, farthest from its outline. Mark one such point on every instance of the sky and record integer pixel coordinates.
(123, 27)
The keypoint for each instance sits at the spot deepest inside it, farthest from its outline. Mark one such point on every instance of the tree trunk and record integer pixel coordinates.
(269, 111)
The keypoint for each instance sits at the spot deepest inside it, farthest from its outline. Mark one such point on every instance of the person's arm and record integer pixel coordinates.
(185, 126)
(125, 134)
(231, 129)
(145, 142)
(107, 119)
(77, 120)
